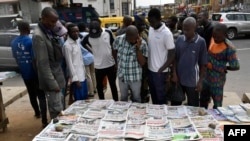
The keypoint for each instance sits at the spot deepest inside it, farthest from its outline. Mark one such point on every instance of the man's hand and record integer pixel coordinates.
(161, 70)
(138, 42)
(199, 86)
(175, 78)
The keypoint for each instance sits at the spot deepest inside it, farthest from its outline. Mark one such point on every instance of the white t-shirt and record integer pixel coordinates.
(102, 51)
(159, 42)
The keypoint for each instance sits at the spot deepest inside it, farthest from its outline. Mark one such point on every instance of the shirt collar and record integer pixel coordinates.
(71, 41)
(195, 39)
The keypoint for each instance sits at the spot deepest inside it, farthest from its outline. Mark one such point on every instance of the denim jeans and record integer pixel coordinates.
(158, 87)
(135, 87)
(80, 93)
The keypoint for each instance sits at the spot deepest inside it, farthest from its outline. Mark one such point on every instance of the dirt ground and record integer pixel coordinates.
(23, 126)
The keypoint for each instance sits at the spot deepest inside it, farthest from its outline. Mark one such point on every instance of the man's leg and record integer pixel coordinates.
(111, 73)
(205, 95)
(54, 103)
(123, 89)
(217, 95)
(136, 91)
(31, 88)
(152, 87)
(99, 75)
(192, 96)
(43, 106)
(92, 74)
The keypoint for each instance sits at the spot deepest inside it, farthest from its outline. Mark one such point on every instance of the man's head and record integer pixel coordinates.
(127, 20)
(189, 27)
(171, 22)
(82, 27)
(202, 18)
(49, 17)
(219, 32)
(73, 31)
(154, 18)
(23, 27)
(95, 29)
(140, 22)
(132, 34)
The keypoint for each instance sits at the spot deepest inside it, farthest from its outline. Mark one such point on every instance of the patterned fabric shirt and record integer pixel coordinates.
(129, 68)
(219, 58)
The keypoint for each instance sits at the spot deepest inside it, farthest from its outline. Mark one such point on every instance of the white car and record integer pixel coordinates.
(237, 22)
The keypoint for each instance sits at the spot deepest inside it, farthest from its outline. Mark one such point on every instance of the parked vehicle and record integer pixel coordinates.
(7, 61)
(237, 22)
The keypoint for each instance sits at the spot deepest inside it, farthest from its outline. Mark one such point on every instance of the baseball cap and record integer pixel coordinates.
(95, 29)
(59, 29)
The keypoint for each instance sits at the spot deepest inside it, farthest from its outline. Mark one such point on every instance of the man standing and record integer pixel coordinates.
(131, 52)
(73, 57)
(127, 21)
(23, 54)
(48, 55)
(161, 55)
(207, 31)
(101, 41)
(191, 60)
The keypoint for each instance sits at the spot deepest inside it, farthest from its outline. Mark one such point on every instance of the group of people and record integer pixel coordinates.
(142, 59)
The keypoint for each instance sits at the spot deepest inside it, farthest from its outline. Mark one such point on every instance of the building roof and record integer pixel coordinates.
(8, 1)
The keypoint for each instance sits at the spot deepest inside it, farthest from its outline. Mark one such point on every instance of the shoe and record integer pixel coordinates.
(91, 95)
(44, 125)
(37, 116)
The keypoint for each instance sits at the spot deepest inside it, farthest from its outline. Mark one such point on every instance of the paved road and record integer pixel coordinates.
(238, 81)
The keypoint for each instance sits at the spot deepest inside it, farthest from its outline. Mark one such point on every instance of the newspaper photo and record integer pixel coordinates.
(156, 121)
(75, 110)
(204, 121)
(216, 114)
(136, 116)
(194, 111)
(210, 133)
(180, 122)
(116, 115)
(112, 129)
(188, 133)
(122, 105)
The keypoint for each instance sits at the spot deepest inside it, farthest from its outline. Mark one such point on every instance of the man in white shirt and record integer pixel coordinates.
(161, 55)
(73, 57)
(101, 41)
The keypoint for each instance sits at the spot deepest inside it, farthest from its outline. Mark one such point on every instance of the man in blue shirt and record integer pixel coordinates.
(23, 53)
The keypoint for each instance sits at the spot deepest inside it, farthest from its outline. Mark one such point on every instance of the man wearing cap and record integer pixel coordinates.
(48, 55)
(101, 41)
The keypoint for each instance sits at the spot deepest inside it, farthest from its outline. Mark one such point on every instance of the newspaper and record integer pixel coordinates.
(86, 127)
(159, 110)
(50, 133)
(188, 133)
(156, 121)
(246, 106)
(194, 111)
(136, 116)
(109, 139)
(180, 122)
(177, 111)
(100, 104)
(243, 118)
(115, 115)
(237, 109)
(210, 133)
(217, 115)
(138, 105)
(78, 110)
(164, 132)
(82, 103)
(94, 113)
(68, 119)
(112, 129)
(225, 111)
(135, 131)
(204, 121)
(79, 137)
(122, 105)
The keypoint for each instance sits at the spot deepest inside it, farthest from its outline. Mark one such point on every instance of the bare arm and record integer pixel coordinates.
(171, 57)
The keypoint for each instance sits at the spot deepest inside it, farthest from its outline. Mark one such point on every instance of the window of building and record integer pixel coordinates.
(112, 4)
(248, 17)
(125, 9)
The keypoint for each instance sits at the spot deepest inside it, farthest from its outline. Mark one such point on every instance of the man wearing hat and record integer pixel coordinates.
(101, 41)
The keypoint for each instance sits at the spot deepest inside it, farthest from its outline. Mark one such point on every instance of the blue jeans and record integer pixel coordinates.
(80, 93)
(158, 87)
(135, 88)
